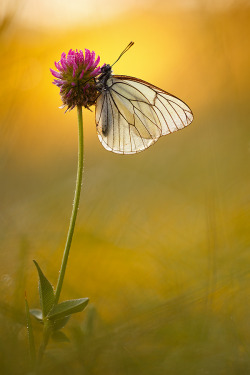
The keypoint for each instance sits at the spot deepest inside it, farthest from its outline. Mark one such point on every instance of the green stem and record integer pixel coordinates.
(46, 335)
(75, 206)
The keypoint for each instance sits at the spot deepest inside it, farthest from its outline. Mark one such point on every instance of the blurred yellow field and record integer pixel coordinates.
(161, 245)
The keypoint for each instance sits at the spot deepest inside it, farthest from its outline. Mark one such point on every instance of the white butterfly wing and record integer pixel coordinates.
(132, 114)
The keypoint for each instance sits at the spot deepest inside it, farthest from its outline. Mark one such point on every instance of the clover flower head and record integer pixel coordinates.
(76, 78)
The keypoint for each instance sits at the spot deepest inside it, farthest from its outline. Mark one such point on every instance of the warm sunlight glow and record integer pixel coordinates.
(64, 13)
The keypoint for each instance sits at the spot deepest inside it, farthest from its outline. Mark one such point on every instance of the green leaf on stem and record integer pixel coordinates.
(30, 335)
(37, 313)
(66, 308)
(46, 292)
(60, 323)
(59, 336)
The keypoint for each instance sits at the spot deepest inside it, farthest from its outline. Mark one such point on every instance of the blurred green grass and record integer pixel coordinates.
(162, 238)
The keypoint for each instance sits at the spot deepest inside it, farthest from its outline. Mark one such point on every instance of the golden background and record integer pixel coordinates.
(161, 240)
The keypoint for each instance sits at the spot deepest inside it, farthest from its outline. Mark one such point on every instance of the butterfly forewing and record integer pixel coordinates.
(132, 114)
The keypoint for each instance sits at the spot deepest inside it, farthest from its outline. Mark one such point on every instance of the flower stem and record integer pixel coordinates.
(46, 336)
(75, 206)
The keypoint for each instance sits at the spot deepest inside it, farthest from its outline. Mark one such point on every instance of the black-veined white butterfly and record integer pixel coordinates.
(131, 114)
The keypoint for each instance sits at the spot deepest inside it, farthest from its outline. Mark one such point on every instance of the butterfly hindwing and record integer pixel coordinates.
(132, 114)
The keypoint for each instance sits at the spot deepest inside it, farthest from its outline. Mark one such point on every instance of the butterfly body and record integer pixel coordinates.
(131, 114)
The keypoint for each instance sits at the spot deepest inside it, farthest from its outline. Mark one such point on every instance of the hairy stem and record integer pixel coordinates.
(46, 336)
(75, 206)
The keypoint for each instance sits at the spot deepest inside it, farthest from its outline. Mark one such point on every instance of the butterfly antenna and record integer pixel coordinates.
(125, 50)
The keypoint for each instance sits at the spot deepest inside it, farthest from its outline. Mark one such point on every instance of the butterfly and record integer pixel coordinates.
(131, 114)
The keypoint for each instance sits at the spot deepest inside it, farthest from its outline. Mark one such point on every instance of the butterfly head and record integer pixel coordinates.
(106, 69)
(106, 73)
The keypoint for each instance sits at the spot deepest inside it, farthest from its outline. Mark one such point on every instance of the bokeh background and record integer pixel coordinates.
(162, 237)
